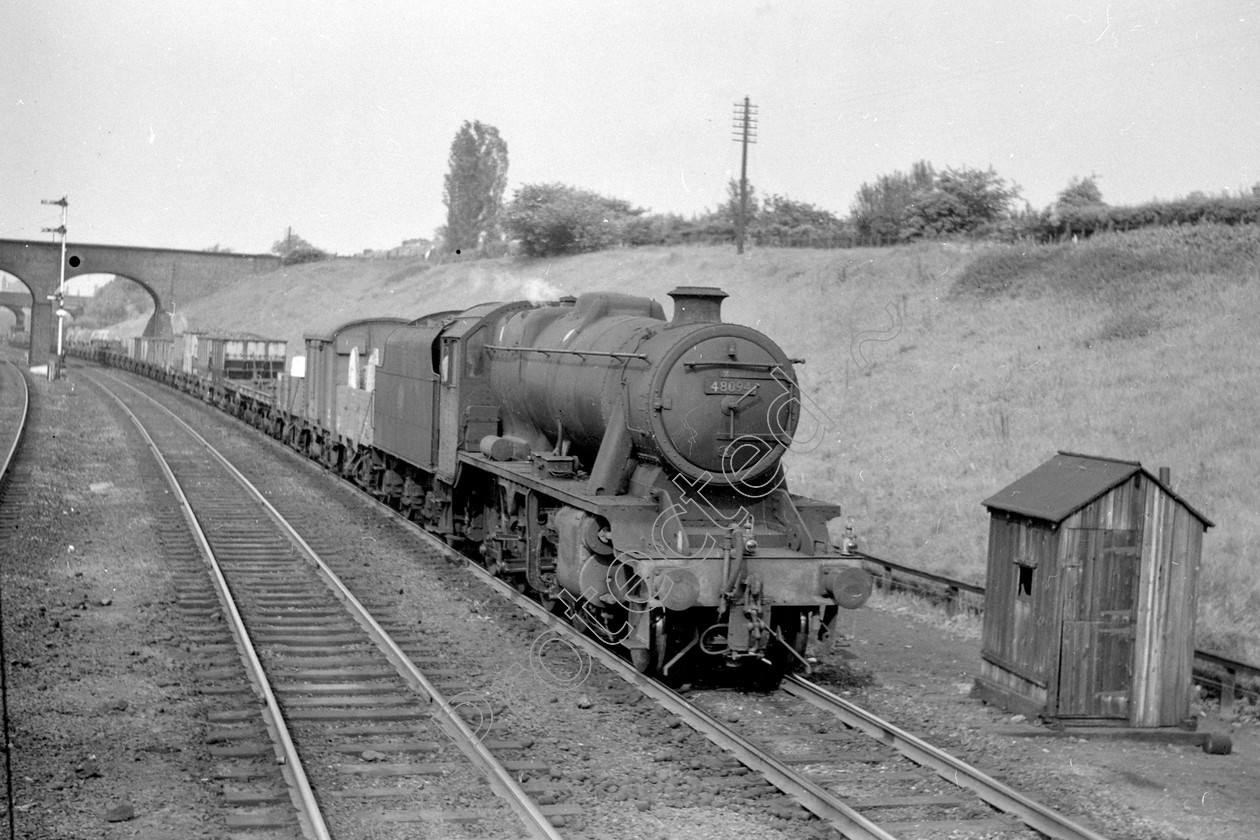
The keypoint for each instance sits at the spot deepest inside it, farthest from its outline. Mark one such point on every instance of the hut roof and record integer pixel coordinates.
(1068, 482)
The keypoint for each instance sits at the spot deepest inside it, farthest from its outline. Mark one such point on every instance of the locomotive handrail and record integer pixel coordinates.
(1210, 669)
(732, 365)
(610, 354)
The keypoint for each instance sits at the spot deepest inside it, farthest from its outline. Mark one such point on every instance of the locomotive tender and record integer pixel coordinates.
(625, 467)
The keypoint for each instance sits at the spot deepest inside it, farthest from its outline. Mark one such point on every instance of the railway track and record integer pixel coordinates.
(811, 757)
(1228, 678)
(846, 778)
(323, 721)
(810, 777)
(14, 411)
(14, 408)
(1003, 799)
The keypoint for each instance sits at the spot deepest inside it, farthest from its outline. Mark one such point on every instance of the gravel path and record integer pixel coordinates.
(922, 668)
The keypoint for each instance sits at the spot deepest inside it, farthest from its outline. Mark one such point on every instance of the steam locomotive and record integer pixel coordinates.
(624, 467)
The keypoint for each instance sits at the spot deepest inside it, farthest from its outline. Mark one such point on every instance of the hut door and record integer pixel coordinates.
(1099, 615)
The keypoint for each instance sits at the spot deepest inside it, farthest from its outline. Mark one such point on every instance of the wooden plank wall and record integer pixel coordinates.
(1019, 630)
(1023, 635)
(1120, 509)
(1164, 655)
(1003, 688)
(1083, 536)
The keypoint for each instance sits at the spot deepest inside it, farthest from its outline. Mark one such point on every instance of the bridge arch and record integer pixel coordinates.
(19, 314)
(160, 323)
(15, 296)
(162, 272)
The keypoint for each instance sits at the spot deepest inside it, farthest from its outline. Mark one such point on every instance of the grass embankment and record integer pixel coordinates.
(942, 372)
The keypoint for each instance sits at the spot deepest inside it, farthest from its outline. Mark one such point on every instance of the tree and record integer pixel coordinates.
(1080, 192)
(551, 219)
(786, 221)
(118, 300)
(781, 211)
(1078, 210)
(294, 249)
(925, 202)
(731, 208)
(880, 210)
(964, 199)
(936, 213)
(473, 190)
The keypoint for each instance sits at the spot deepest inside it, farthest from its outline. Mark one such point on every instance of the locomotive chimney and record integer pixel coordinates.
(697, 305)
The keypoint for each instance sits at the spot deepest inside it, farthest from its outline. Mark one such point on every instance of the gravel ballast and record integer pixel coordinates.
(108, 733)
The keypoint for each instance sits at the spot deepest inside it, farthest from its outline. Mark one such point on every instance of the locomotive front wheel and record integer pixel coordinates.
(651, 660)
(660, 644)
(641, 659)
(793, 630)
(801, 641)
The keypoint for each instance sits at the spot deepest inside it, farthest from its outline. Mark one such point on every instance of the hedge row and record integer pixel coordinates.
(1086, 221)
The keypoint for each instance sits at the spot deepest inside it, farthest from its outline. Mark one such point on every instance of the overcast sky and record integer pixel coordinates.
(192, 124)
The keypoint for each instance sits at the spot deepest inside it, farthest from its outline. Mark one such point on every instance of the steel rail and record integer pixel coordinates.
(812, 797)
(5, 723)
(1202, 657)
(311, 817)
(1005, 799)
(500, 778)
(24, 411)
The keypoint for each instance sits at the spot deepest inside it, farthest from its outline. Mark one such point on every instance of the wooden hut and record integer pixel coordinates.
(1090, 599)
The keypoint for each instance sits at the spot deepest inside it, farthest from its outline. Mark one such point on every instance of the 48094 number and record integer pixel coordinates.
(725, 387)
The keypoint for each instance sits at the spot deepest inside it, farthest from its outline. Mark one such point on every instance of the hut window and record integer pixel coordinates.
(1025, 582)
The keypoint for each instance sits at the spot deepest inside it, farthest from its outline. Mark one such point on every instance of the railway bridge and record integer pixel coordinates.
(166, 274)
(19, 303)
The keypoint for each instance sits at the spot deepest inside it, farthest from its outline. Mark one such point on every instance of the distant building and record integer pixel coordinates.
(409, 248)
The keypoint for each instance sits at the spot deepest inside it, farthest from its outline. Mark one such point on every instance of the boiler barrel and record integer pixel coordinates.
(566, 365)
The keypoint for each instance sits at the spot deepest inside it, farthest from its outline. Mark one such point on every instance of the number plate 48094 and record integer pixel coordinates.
(722, 386)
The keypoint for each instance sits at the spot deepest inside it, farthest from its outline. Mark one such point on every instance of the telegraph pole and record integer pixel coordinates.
(745, 128)
(54, 371)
